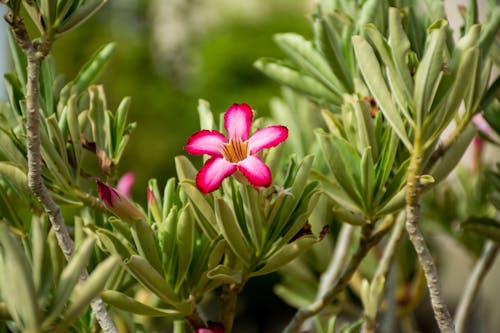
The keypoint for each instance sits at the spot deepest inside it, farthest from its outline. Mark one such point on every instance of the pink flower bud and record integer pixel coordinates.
(125, 184)
(118, 204)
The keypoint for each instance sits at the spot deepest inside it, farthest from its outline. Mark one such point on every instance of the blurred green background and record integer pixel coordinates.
(171, 53)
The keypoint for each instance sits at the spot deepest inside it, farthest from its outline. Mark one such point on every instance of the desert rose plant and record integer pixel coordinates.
(336, 192)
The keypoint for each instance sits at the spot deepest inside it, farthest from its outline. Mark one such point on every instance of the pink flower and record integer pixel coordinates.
(237, 152)
(125, 183)
(118, 204)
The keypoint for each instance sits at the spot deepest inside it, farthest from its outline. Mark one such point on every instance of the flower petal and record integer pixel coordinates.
(125, 184)
(213, 173)
(205, 142)
(267, 137)
(238, 120)
(257, 173)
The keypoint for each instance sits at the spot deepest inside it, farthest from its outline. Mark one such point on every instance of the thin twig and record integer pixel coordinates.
(229, 300)
(476, 278)
(337, 262)
(366, 242)
(384, 265)
(413, 190)
(35, 53)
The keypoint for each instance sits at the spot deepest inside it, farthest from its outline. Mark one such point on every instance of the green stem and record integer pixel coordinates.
(35, 53)
(366, 242)
(482, 267)
(229, 300)
(413, 190)
(385, 264)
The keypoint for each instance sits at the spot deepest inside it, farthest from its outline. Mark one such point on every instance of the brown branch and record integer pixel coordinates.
(413, 190)
(366, 242)
(35, 53)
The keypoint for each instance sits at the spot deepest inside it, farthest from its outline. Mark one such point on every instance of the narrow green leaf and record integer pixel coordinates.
(372, 74)
(286, 254)
(185, 245)
(428, 75)
(337, 165)
(330, 47)
(203, 211)
(225, 275)
(302, 83)
(114, 244)
(398, 86)
(69, 278)
(20, 295)
(93, 68)
(483, 226)
(169, 195)
(400, 47)
(456, 93)
(15, 176)
(228, 225)
(205, 114)
(89, 290)
(367, 175)
(146, 243)
(80, 15)
(309, 59)
(74, 131)
(129, 304)
(489, 32)
(452, 156)
(151, 279)
(184, 168)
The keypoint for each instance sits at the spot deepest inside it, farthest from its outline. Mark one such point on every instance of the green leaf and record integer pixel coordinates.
(429, 74)
(225, 275)
(88, 291)
(367, 176)
(489, 32)
(339, 165)
(185, 244)
(114, 244)
(400, 47)
(151, 279)
(128, 304)
(372, 74)
(20, 295)
(226, 220)
(15, 176)
(83, 12)
(286, 254)
(329, 45)
(205, 114)
(146, 243)
(93, 68)
(302, 83)
(483, 226)
(309, 59)
(203, 211)
(185, 169)
(452, 156)
(69, 278)
(74, 131)
(455, 94)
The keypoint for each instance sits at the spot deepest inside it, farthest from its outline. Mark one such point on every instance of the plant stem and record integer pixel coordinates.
(35, 53)
(413, 189)
(366, 242)
(229, 300)
(384, 265)
(482, 267)
(337, 261)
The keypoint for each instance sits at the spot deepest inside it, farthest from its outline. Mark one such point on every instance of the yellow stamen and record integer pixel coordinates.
(235, 150)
